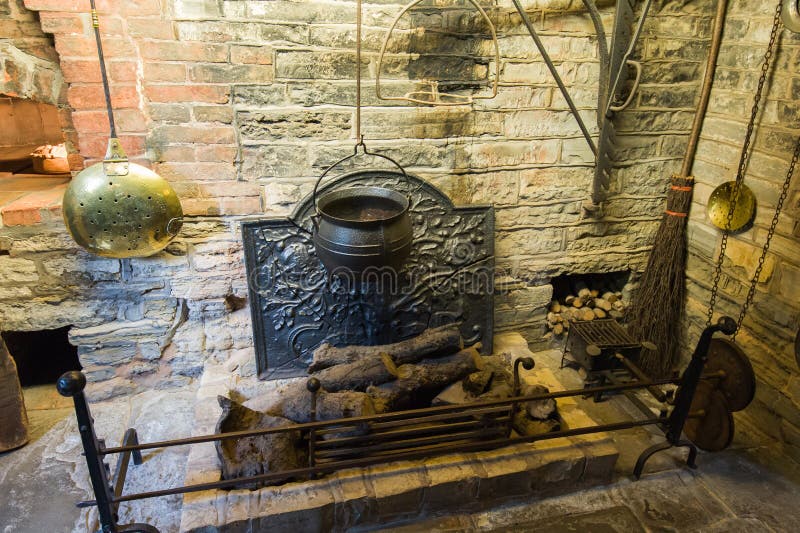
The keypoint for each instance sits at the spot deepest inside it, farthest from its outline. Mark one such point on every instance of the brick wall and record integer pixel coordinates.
(769, 330)
(241, 105)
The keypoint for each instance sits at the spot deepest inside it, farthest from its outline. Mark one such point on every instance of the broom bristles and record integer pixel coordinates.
(657, 311)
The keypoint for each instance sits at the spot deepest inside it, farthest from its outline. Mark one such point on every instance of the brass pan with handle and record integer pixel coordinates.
(116, 208)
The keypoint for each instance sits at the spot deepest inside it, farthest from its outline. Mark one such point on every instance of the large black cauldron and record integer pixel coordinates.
(358, 228)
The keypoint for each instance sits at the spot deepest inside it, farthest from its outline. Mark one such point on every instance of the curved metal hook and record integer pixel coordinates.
(638, 67)
(457, 99)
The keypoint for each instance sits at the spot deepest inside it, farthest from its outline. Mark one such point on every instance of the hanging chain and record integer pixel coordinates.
(761, 260)
(359, 139)
(765, 67)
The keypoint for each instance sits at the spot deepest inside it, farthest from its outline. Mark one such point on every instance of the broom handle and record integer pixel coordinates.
(705, 94)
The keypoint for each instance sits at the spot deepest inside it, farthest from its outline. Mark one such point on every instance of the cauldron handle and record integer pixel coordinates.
(351, 156)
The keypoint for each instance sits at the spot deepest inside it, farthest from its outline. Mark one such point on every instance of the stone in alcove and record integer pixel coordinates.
(252, 456)
(13, 417)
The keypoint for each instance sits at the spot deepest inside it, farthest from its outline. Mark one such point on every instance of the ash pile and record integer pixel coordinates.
(432, 369)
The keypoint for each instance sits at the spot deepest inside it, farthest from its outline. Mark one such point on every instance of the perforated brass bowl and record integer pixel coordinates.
(119, 216)
(719, 205)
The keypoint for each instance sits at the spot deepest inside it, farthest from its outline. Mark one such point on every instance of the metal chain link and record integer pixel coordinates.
(765, 67)
(770, 233)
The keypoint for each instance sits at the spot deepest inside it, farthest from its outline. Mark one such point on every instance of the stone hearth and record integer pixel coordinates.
(395, 491)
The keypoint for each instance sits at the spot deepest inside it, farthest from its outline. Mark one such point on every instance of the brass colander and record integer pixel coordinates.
(117, 208)
(120, 209)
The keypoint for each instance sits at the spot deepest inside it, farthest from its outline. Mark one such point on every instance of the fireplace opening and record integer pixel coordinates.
(41, 356)
(586, 297)
(571, 284)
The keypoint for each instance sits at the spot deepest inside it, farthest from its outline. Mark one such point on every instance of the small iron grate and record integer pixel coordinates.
(606, 334)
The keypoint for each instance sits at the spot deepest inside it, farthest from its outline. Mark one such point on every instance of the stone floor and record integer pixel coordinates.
(746, 488)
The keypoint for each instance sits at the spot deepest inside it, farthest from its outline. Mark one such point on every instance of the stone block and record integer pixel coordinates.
(435, 122)
(528, 242)
(537, 216)
(196, 9)
(398, 488)
(312, 65)
(497, 188)
(18, 270)
(287, 125)
(507, 153)
(556, 183)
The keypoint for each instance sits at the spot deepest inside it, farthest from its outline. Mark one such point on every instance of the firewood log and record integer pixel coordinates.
(295, 404)
(251, 456)
(433, 342)
(416, 385)
(359, 374)
(524, 425)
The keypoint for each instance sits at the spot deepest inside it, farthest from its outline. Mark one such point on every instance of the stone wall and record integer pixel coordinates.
(241, 104)
(772, 322)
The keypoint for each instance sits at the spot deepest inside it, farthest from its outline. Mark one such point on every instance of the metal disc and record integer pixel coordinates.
(739, 383)
(719, 205)
(713, 431)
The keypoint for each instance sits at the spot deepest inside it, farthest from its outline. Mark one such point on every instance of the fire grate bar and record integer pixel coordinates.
(605, 333)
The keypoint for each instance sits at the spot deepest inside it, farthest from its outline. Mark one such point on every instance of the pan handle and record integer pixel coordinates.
(351, 156)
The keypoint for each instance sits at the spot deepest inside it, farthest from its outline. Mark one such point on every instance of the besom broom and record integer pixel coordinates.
(657, 312)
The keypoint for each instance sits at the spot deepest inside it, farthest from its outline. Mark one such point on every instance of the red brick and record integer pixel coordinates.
(215, 94)
(141, 7)
(111, 25)
(122, 70)
(172, 152)
(81, 6)
(184, 51)
(130, 121)
(66, 23)
(151, 28)
(196, 171)
(30, 208)
(93, 146)
(90, 121)
(92, 97)
(230, 188)
(215, 152)
(80, 70)
(76, 161)
(251, 55)
(84, 46)
(173, 72)
(186, 189)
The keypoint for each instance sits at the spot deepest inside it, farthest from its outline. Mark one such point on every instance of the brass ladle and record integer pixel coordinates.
(117, 208)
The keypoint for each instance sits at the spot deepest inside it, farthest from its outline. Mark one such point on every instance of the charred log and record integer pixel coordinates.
(433, 342)
(251, 456)
(417, 384)
(359, 374)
